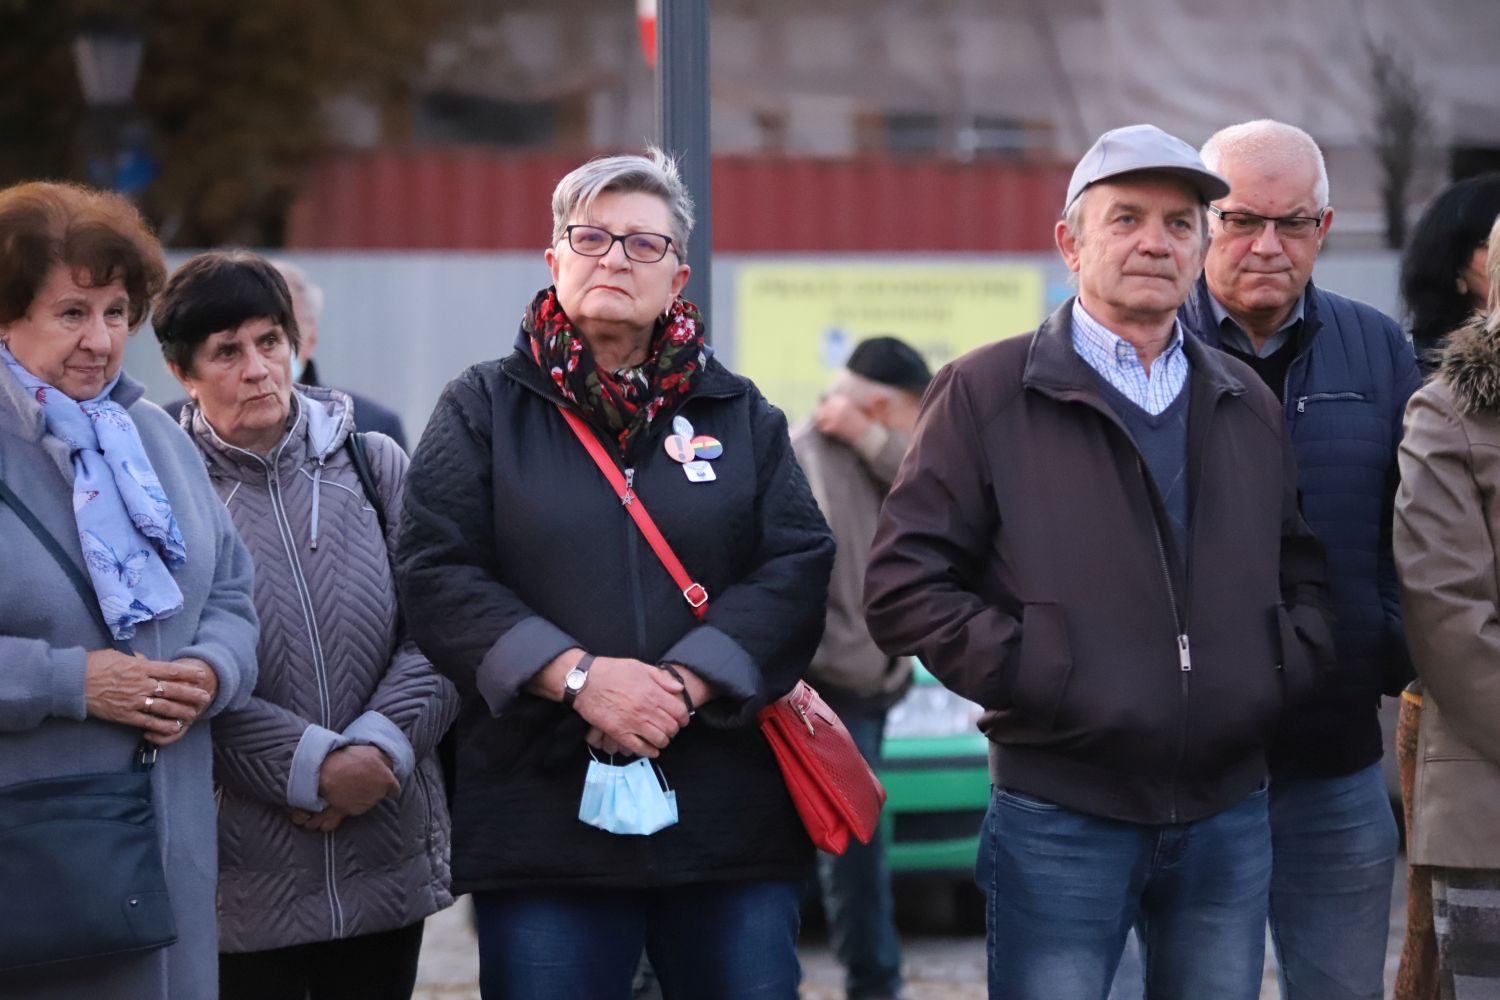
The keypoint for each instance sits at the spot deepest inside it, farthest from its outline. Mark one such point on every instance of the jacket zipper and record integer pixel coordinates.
(1286, 383)
(1184, 644)
(633, 559)
(320, 672)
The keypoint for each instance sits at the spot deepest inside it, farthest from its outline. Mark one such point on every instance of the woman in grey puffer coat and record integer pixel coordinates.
(333, 826)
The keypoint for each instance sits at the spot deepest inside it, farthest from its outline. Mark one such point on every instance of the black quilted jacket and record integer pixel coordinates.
(514, 548)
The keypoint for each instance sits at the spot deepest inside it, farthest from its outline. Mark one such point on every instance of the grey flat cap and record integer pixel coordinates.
(1143, 147)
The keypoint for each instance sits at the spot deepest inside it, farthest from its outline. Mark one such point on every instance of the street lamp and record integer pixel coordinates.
(107, 55)
(682, 110)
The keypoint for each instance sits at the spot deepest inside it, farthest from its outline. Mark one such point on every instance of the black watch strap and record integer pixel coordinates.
(581, 668)
(687, 699)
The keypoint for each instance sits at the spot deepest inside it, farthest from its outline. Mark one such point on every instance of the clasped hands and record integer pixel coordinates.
(353, 780)
(162, 698)
(631, 706)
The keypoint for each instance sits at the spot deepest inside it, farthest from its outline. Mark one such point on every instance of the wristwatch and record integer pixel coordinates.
(574, 680)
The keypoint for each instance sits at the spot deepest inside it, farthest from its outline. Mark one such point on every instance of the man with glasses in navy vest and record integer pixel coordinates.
(1343, 372)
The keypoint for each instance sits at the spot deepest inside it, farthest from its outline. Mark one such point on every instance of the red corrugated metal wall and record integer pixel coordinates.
(465, 199)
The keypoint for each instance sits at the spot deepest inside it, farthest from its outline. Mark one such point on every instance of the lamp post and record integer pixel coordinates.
(682, 120)
(107, 55)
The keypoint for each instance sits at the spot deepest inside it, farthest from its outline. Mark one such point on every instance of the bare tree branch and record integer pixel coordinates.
(1403, 124)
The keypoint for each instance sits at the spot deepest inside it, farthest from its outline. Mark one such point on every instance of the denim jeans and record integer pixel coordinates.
(1062, 889)
(730, 940)
(1334, 842)
(857, 894)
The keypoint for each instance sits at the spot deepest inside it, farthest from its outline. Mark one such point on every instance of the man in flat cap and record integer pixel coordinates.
(1095, 536)
(850, 451)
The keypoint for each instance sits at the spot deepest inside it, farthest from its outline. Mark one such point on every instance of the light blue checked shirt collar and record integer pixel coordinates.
(1116, 360)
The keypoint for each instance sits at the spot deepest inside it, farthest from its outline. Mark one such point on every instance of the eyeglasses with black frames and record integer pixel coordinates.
(643, 248)
(1290, 227)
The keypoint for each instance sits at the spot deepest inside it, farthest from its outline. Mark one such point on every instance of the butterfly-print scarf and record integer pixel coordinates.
(125, 524)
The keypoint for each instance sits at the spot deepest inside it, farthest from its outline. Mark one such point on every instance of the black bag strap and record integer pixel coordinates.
(146, 753)
(360, 459)
(355, 445)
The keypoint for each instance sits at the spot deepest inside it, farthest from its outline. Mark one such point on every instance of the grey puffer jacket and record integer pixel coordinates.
(335, 668)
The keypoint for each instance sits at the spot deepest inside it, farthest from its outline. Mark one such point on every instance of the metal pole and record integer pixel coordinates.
(682, 125)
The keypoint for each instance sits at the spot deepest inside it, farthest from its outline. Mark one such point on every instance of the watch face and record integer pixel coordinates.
(574, 680)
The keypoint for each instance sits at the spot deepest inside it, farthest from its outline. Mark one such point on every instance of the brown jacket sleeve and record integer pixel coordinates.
(938, 524)
(1445, 553)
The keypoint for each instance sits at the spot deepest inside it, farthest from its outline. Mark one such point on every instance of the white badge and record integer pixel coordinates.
(682, 426)
(699, 472)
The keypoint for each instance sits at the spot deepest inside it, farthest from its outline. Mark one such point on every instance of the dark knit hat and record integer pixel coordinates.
(890, 362)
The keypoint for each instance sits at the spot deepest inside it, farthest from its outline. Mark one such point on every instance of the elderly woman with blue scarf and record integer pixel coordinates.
(124, 497)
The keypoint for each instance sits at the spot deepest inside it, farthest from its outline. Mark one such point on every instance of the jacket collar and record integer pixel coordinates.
(1053, 367)
(1470, 362)
(21, 415)
(1197, 314)
(322, 421)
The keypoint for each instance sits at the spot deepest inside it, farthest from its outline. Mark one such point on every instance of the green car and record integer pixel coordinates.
(935, 769)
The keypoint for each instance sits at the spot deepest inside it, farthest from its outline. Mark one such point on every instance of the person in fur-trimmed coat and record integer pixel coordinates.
(1448, 556)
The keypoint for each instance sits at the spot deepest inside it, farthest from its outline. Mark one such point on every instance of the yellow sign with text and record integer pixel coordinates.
(796, 324)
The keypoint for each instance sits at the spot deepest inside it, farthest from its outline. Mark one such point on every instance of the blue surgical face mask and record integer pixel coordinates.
(628, 799)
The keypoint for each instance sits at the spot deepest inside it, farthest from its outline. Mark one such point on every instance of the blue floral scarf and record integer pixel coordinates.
(130, 538)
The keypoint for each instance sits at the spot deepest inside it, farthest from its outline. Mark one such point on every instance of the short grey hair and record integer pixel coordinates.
(1267, 141)
(1073, 215)
(301, 282)
(654, 173)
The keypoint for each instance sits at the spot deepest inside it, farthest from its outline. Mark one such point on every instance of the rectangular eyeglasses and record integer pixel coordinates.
(1292, 227)
(643, 248)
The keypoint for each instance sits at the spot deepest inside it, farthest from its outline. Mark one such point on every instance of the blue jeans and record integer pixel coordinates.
(1062, 889)
(730, 940)
(1334, 841)
(857, 894)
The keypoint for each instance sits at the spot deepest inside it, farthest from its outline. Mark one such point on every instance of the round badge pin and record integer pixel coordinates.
(679, 448)
(682, 426)
(707, 447)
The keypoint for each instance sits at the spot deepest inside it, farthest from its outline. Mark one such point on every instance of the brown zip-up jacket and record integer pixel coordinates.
(1024, 554)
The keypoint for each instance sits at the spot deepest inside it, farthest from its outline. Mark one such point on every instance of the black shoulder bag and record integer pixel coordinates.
(80, 864)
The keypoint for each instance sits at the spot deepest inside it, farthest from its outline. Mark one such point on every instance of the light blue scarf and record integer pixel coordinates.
(125, 524)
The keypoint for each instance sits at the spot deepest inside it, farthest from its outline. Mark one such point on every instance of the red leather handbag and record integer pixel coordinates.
(831, 784)
(833, 788)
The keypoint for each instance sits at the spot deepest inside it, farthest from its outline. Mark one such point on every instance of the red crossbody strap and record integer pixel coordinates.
(693, 593)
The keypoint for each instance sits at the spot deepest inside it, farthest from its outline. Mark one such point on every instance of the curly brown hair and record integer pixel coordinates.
(99, 235)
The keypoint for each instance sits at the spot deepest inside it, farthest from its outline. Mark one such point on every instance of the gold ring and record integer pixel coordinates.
(149, 702)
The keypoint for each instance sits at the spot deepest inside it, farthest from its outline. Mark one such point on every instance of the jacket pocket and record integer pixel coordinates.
(1043, 666)
(1305, 645)
(1437, 740)
(1328, 397)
